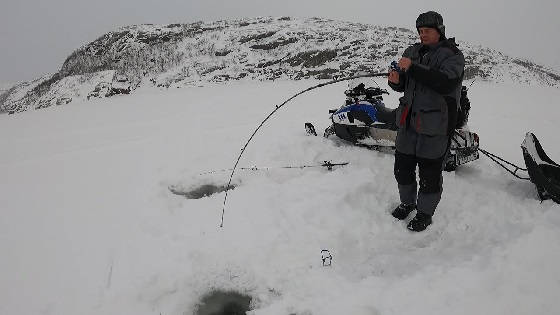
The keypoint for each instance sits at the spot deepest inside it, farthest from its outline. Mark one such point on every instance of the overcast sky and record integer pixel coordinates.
(36, 36)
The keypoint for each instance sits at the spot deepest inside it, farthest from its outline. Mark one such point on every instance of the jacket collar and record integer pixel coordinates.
(445, 42)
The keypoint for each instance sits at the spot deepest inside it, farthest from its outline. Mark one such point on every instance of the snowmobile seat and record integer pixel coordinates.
(387, 116)
(544, 172)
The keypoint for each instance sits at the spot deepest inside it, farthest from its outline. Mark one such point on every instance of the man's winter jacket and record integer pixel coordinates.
(432, 88)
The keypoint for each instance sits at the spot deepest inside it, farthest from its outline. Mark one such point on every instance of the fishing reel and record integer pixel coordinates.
(395, 67)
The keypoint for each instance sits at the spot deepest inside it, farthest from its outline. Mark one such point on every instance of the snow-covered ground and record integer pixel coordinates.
(88, 225)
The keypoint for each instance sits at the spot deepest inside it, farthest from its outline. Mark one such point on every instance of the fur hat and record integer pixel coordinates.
(431, 19)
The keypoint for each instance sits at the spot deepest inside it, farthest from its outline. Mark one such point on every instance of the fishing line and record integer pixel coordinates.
(369, 75)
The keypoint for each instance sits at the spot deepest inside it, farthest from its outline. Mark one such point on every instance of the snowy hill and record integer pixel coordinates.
(179, 55)
(4, 87)
(88, 225)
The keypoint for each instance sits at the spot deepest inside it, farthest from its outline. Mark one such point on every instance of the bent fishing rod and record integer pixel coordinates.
(368, 75)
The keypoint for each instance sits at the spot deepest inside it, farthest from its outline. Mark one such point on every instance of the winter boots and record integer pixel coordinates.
(419, 223)
(403, 210)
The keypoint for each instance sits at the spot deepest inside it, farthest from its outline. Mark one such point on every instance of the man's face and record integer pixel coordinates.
(428, 35)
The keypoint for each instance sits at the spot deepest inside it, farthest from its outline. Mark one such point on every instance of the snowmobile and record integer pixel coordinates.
(365, 121)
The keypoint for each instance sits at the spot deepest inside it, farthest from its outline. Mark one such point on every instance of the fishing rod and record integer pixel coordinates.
(368, 75)
(471, 84)
(327, 164)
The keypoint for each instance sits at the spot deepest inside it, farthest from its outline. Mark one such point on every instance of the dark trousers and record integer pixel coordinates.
(431, 181)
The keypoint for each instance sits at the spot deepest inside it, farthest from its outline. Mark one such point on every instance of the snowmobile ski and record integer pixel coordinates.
(310, 129)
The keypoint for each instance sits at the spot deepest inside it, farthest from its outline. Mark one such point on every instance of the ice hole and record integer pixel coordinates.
(201, 191)
(224, 303)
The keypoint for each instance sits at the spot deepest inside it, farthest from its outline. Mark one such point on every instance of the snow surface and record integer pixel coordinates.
(88, 225)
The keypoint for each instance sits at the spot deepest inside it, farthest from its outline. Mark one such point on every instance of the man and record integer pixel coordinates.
(430, 75)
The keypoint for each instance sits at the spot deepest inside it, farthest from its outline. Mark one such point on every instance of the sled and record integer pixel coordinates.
(543, 172)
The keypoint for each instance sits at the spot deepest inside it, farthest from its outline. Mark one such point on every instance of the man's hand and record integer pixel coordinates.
(394, 77)
(405, 63)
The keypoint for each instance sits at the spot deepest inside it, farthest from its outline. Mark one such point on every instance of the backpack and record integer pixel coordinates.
(464, 108)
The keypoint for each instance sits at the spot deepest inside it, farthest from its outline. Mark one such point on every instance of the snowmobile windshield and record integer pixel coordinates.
(368, 82)
(364, 89)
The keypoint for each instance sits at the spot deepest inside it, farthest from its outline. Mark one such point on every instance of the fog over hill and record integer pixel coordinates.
(264, 48)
